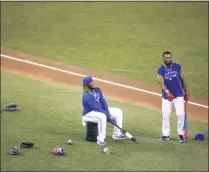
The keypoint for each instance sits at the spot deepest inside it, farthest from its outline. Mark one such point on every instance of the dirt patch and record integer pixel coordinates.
(111, 91)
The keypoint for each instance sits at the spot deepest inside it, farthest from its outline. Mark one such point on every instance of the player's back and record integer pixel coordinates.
(172, 79)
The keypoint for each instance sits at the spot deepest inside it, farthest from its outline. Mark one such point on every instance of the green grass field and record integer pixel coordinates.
(50, 114)
(121, 38)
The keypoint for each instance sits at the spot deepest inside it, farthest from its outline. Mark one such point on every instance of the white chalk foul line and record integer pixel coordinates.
(97, 79)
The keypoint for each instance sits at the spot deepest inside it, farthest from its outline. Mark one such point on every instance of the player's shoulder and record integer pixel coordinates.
(177, 65)
(97, 89)
(160, 69)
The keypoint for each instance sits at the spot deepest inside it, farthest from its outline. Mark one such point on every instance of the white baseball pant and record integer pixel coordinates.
(167, 107)
(101, 119)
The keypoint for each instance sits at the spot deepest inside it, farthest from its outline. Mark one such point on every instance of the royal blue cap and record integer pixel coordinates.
(87, 80)
(199, 137)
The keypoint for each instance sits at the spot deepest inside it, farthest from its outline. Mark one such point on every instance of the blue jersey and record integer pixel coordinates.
(94, 101)
(172, 79)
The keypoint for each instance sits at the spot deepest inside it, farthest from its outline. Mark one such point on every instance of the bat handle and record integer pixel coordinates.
(185, 121)
(119, 128)
(185, 106)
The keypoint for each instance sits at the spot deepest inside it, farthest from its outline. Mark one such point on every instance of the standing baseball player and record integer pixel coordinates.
(95, 109)
(174, 92)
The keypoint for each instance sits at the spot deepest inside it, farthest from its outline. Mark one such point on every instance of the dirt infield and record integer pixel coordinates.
(111, 91)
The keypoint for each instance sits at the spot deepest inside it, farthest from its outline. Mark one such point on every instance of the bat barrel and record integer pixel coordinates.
(133, 139)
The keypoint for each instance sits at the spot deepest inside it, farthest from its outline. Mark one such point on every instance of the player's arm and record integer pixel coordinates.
(110, 118)
(104, 103)
(184, 85)
(160, 80)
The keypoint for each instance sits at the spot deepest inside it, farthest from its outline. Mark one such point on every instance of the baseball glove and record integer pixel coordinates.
(27, 145)
(10, 108)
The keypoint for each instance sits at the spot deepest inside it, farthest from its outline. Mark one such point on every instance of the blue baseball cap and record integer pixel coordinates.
(87, 80)
(199, 137)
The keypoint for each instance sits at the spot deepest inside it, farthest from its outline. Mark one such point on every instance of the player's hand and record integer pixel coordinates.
(170, 96)
(111, 119)
(186, 97)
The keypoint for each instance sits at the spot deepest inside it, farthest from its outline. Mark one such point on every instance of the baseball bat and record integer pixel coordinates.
(125, 132)
(185, 122)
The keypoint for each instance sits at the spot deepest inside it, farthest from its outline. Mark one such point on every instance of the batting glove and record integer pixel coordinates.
(186, 97)
(111, 119)
(170, 96)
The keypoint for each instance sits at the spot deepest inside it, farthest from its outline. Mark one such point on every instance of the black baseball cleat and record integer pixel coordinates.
(181, 139)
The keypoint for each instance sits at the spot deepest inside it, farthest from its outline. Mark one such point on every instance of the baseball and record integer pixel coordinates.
(69, 142)
(106, 151)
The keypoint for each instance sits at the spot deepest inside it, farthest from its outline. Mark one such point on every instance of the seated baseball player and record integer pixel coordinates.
(95, 109)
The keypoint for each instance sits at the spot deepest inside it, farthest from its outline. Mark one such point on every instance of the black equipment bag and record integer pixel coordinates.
(91, 131)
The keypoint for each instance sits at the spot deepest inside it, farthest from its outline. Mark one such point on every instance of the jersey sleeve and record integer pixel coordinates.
(179, 67)
(160, 71)
(104, 103)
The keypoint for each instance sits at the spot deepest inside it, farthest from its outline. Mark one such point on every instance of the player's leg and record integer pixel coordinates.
(101, 119)
(179, 106)
(167, 107)
(117, 113)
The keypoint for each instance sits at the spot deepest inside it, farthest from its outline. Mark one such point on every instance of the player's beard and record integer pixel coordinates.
(168, 63)
(90, 87)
